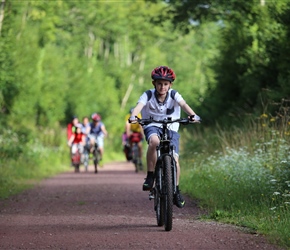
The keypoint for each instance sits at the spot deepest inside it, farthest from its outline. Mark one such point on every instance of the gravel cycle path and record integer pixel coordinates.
(108, 210)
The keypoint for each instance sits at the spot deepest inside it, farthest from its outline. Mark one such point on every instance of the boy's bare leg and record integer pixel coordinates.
(151, 156)
(177, 169)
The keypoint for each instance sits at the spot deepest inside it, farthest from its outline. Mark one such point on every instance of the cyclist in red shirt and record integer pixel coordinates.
(71, 127)
(77, 141)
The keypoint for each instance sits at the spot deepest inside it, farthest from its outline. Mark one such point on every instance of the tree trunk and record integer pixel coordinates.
(1, 14)
(128, 92)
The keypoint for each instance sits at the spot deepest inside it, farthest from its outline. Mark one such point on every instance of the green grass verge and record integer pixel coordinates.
(26, 170)
(25, 163)
(246, 183)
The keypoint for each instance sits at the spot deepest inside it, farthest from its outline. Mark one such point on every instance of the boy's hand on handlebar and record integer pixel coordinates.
(194, 118)
(132, 119)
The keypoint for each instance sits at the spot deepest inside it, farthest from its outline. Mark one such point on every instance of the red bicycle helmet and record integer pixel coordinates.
(96, 117)
(163, 72)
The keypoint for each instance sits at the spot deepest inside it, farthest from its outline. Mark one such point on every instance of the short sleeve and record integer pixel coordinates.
(178, 98)
(143, 99)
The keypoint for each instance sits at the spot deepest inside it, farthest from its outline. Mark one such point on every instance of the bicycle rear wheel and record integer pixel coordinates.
(168, 193)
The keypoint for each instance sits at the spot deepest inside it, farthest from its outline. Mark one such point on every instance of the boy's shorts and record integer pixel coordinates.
(173, 136)
(99, 139)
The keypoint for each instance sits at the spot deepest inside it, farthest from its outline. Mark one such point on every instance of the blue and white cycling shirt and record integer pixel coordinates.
(96, 130)
(159, 111)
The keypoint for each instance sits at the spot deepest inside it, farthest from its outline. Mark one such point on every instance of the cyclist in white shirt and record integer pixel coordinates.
(160, 103)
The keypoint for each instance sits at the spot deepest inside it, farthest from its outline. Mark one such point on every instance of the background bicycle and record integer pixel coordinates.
(86, 157)
(135, 153)
(76, 157)
(96, 156)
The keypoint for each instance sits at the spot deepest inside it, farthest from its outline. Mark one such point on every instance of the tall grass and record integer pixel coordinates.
(242, 175)
(26, 159)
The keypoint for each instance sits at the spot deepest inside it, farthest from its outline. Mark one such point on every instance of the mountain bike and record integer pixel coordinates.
(86, 157)
(136, 158)
(96, 156)
(165, 174)
(76, 159)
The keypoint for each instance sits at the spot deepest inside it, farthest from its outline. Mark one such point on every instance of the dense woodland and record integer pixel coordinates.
(64, 58)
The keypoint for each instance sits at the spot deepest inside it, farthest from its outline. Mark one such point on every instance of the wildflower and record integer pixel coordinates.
(276, 193)
(273, 208)
(263, 125)
(272, 119)
(264, 116)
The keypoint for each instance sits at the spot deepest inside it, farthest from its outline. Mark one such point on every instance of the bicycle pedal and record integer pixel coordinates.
(151, 195)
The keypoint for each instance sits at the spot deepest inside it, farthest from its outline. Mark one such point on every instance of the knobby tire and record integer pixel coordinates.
(168, 191)
(158, 201)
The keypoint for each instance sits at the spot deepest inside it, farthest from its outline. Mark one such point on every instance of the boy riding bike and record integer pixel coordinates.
(97, 133)
(160, 103)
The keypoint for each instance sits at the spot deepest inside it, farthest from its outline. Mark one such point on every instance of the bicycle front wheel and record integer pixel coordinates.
(168, 193)
(135, 152)
(158, 200)
(97, 158)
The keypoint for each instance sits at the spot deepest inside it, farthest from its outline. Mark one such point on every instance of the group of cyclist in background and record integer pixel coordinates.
(83, 137)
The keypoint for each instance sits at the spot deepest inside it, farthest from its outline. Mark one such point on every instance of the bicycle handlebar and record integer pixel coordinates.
(167, 120)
